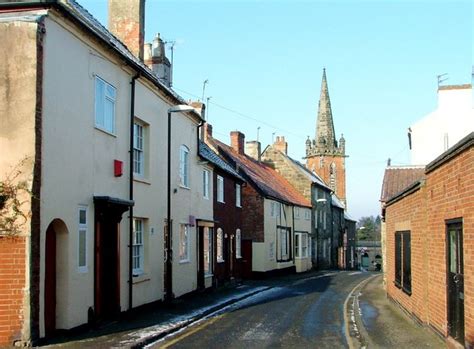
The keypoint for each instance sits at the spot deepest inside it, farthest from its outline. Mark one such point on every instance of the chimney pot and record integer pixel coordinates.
(281, 145)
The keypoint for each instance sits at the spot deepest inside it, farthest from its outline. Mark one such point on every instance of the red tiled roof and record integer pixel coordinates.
(397, 179)
(267, 180)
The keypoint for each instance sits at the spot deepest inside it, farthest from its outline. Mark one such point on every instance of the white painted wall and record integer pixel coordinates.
(451, 121)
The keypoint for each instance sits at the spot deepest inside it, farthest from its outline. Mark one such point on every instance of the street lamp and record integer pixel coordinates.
(169, 251)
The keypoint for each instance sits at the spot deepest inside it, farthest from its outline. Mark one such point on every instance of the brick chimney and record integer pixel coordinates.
(281, 145)
(127, 22)
(254, 150)
(237, 141)
(207, 131)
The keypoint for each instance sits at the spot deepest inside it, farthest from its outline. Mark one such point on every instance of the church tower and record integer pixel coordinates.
(325, 155)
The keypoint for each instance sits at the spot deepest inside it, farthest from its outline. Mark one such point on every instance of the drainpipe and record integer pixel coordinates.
(130, 220)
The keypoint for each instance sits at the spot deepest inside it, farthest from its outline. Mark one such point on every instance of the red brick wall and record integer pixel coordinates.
(447, 194)
(12, 283)
(252, 211)
(314, 162)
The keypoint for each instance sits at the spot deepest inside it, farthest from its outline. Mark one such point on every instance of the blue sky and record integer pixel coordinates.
(264, 62)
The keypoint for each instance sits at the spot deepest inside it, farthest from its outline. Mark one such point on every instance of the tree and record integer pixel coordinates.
(368, 228)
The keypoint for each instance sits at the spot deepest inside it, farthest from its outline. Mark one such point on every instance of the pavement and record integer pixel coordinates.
(377, 322)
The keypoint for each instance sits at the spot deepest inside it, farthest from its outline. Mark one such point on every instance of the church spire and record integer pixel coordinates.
(325, 135)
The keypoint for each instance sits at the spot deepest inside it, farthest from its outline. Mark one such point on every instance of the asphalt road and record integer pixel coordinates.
(306, 313)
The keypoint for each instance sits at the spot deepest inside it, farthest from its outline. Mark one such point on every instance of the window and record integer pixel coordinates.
(315, 218)
(275, 209)
(238, 191)
(307, 214)
(104, 105)
(82, 237)
(238, 243)
(137, 257)
(220, 189)
(297, 213)
(284, 243)
(207, 251)
(301, 245)
(184, 166)
(403, 260)
(220, 245)
(205, 184)
(138, 150)
(184, 243)
(332, 176)
(324, 220)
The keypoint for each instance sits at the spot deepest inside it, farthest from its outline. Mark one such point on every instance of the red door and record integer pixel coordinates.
(246, 259)
(50, 282)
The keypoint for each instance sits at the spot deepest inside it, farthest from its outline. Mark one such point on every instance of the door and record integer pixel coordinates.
(50, 282)
(200, 256)
(455, 285)
(247, 259)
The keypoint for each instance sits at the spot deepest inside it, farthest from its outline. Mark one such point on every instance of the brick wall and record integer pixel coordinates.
(447, 194)
(339, 161)
(12, 284)
(253, 214)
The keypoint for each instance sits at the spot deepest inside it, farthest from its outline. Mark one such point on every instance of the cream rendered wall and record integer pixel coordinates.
(453, 117)
(187, 202)
(264, 255)
(78, 161)
(303, 225)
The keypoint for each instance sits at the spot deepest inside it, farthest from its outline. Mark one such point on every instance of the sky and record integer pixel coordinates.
(264, 60)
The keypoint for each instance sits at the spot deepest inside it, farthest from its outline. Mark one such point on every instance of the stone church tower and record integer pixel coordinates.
(324, 155)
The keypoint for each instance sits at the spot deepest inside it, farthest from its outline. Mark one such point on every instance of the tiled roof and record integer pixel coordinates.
(209, 154)
(266, 180)
(398, 178)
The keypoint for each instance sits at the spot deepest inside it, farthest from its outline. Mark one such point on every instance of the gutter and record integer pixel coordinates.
(130, 219)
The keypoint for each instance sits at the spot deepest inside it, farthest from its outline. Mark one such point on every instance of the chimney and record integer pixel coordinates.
(127, 22)
(253, 149)
(281, 145)
(155, 58)
(206, 131)
(237, 141)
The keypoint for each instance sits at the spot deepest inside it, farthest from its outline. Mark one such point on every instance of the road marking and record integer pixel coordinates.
(192, 331)
(355, 273)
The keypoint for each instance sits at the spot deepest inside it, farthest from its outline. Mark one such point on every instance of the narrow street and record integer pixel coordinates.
(303, 314)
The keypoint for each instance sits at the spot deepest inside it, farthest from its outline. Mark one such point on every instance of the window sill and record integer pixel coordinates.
(397, 284)
(185, 261)
(140, 278)
(406, 291)
(238, 257)
(238, 206)
(98, 128)
(82, 270)
(221, 202)
(184, 187)
(141, 180)
(208, 275)
(220, 261)
(205, 198)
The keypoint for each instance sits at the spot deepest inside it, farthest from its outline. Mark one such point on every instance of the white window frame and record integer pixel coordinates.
(184, 243)
(275, 209)
(238, 195)
(307, 214)
(238, 243)
(220, 245)
(205, 184)
(297, 213)
(109, 95)
(302, 245)
(184, 166)
(284, 250)
(220, 189)
(138, 246)
(82, 230)
(139, 149)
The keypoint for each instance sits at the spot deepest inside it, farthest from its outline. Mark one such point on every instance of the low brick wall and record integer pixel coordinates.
(12, 284)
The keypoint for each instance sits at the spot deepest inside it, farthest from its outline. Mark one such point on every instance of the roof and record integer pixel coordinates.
(80, 14)
(265, 179)
(398, 178)
(452, 152)
(310, 175)
(207, 153)
(347, 217)
(455, 87)
(336, 202)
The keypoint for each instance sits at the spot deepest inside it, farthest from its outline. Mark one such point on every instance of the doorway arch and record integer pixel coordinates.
(56, 232)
